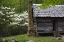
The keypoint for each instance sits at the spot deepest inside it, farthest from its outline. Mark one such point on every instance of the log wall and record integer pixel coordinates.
(46, 25)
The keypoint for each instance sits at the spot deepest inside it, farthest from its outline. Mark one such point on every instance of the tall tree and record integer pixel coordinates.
(47, 3)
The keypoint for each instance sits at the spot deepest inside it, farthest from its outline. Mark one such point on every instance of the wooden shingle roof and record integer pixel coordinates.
(53, 11)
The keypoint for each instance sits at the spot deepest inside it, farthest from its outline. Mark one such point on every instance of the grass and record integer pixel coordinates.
(24, 38)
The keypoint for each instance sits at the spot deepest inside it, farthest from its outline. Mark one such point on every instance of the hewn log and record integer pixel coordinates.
(30, 20)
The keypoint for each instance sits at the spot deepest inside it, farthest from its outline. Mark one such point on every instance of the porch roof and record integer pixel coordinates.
(52, 11)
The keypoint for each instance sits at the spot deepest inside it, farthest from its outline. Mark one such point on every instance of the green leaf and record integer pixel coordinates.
(47, 3)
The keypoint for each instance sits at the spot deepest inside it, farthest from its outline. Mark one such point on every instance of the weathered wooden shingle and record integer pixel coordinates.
(53, 11)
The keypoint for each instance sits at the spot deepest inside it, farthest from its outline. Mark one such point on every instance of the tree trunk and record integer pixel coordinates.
(30, 21)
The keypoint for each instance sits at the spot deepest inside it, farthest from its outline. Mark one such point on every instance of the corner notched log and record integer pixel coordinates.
(31, 31)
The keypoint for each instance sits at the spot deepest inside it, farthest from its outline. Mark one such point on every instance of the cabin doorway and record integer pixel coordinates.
(55, 25)
(56, 32)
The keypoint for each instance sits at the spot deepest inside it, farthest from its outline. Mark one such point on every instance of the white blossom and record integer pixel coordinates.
(11, 12)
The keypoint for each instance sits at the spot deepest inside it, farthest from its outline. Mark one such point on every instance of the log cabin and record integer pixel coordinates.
(45, 20)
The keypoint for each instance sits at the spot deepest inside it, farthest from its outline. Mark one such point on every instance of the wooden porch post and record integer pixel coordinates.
(30, 20)
(55, 28)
